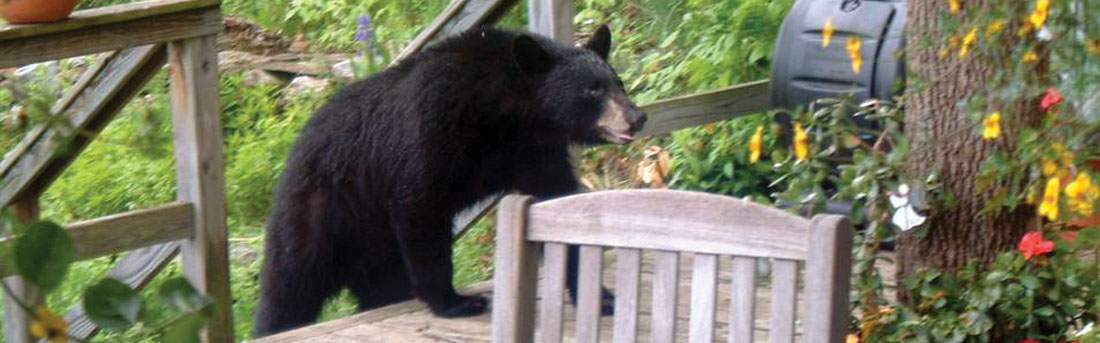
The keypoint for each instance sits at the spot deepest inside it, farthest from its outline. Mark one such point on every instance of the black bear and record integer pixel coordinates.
(378, 173)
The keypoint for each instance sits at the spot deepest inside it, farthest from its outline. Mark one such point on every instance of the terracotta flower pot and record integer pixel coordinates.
(36, 11)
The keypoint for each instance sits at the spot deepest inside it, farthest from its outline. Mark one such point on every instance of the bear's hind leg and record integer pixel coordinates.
(378, 288)
(292, 296)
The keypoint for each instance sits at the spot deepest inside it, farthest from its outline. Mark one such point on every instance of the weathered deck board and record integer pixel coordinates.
(412, 322)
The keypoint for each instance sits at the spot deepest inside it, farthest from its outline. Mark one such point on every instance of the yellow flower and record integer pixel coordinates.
(1030, 56)
(994, 27)
(827, 33)
(954, 6)
(1024, 30)
(1049, 167)
(1039, 14)
(754, 144)
(1079, 186)
(1082, 194)
(1049, 207)
(991, 126)
(952, 42)
(968, 41)
(852, 338)
(1060, 150)
(49, 326)
(710, 127)
(854, 52)
(801, 142)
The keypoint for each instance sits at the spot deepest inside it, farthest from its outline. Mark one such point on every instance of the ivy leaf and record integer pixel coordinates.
(1029, 281)
(977, 322)
(112, 305)
(178, 294)
(1045, 311)
(43, 255)
(184, 330)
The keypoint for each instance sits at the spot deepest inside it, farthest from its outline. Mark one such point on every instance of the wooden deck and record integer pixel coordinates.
(411, 322)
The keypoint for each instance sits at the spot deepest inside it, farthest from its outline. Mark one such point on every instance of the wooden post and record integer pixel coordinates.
(196, 115)
(828, 279)
(552, 18)
(513, 318)
(16, 321)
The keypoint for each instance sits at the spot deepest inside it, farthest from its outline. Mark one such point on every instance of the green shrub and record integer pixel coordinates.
(1049, 297)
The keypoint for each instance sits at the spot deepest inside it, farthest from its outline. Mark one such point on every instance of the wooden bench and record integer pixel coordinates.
(708, 226)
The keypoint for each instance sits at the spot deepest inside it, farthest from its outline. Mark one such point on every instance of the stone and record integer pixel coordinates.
(304, 85)
(257, 77)
(343, 70)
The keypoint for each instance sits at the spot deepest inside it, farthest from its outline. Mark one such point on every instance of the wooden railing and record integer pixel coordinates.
(139, 39)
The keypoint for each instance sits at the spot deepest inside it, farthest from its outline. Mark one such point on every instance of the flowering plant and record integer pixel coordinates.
(41, 255)
(1043, 57)
(1043, 292)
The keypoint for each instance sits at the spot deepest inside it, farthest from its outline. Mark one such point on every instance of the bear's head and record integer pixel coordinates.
(578, 91)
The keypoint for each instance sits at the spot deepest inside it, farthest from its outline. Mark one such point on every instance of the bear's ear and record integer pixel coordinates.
(600, 42)
(531, 57)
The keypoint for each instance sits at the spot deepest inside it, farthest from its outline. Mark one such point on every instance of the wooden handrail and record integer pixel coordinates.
(104, 16)
(109, 28)
(126, 231)
(671, 114)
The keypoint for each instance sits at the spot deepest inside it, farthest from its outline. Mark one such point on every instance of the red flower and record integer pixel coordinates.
(1029, 341)
(1033, 244)
(1051, 98)
(1068, 236)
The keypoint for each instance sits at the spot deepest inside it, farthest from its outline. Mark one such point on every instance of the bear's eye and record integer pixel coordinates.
(594, 89)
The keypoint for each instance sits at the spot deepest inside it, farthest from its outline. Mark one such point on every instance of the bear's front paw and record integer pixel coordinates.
(607, 302)
(462, 306)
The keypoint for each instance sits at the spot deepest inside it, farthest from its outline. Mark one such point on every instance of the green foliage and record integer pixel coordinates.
(1049, 298)
(186, 329)
(677, 46)
(180, 296)
(112, 305)
(333, 23)
(43, 255)
(473, 253)
(714, 158)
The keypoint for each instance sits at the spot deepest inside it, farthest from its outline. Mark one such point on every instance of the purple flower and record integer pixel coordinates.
(363, 35)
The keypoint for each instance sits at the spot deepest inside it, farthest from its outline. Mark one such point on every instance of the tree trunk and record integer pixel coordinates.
(943, 139)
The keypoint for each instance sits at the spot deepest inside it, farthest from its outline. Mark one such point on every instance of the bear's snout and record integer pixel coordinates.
(636, 118)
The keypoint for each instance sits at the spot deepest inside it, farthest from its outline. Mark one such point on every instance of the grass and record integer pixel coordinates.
(662, 48)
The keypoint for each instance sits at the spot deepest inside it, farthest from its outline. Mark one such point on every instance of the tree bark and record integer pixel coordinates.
(943, 139)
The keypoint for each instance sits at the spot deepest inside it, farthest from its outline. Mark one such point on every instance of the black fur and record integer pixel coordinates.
(378, 173)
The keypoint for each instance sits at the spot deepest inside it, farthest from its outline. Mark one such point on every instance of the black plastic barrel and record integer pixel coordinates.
(803, 70)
